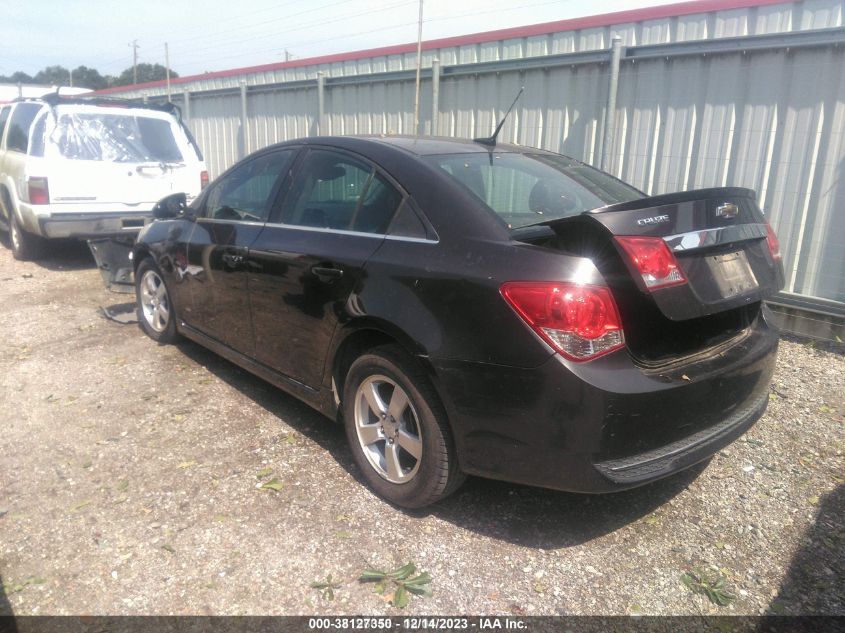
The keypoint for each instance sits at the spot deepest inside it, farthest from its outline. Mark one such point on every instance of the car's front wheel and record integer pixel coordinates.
(155, 309)
(397, 429)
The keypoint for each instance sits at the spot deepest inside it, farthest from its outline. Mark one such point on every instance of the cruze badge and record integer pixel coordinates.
(727, 210)
(655, 219)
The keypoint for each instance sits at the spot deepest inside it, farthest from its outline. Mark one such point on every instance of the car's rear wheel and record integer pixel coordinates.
(25, 245)
(155, 310)
(397, 429)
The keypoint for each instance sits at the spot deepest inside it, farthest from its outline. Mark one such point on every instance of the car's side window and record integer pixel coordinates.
(335, 191)
(245, 194)
(19, 125)
(4, 117)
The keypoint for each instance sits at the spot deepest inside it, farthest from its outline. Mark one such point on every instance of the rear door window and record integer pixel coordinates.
(333, 190)
(22, 118)
(246, 193)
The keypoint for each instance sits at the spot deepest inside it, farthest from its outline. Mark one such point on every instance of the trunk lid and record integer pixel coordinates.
(718, 238)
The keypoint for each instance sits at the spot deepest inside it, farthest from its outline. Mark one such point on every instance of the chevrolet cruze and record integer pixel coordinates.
(470, 308)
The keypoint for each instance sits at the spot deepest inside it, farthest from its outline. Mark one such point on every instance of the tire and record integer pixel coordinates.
(155, 309)
(25, 246)
(409, 459)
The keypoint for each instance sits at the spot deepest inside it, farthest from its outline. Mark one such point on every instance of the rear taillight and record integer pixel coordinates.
(38, 191)
(653, 260)
(773, 243)
(203, 179)
(580, 322)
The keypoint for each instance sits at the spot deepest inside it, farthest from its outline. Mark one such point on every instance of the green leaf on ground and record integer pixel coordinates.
(274, 484)
(711, 584)
(264, 472)
(401, 581)
(326, 587)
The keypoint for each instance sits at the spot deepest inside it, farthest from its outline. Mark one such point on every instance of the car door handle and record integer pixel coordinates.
(326, 274)
(232, 260)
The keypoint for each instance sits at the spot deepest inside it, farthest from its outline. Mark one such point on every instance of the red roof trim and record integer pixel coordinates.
(572, 24)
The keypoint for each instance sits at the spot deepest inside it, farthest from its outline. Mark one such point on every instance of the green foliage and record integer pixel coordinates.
(146, 72)
(400, 581)
(711, 584)
(326, 588)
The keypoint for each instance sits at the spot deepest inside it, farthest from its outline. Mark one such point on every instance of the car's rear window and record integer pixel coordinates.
(529, 188)
(113, 137)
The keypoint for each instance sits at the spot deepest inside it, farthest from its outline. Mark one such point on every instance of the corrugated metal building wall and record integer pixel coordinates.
(715, 92)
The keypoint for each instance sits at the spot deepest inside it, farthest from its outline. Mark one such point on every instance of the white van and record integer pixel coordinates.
(88, 167)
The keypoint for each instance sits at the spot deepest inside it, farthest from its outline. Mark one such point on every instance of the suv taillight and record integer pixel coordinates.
(38, 191)
(772, 242)
(581, 322)
(203, 179)
(653, 260)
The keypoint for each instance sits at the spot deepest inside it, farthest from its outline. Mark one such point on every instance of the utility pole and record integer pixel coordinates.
(167, 68)
(288, 56)
(135, 47)
(70, 72)
(419, 64)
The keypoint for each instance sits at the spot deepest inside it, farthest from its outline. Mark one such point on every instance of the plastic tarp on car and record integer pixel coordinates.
(113, 137)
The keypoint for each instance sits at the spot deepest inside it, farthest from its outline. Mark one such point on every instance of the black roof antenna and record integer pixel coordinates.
(491, 141)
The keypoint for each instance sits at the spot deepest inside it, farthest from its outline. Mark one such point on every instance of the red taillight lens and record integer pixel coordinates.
(39, 193)
(580, 322)
(203, 179)
(772, 241)
(653, 260)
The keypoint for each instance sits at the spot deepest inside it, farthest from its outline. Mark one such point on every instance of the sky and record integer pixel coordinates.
(211, 35)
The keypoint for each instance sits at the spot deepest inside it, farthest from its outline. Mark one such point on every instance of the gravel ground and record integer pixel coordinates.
(129, 471)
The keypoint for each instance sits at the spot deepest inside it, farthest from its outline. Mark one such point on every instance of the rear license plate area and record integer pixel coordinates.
(732, 273)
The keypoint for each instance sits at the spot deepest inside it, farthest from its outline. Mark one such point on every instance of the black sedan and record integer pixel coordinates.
(473, 309)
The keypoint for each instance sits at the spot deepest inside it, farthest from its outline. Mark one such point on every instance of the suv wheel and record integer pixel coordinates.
(397, 429)
(155, 310)
(25, 245)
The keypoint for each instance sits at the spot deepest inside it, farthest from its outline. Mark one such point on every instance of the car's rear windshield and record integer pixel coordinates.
(528, 188)
(113, 137)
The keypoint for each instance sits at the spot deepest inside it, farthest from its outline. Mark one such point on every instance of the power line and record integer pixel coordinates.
(348, 36)
(296, 28)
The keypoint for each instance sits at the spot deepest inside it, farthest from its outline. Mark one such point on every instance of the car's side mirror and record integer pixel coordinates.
(171, 206)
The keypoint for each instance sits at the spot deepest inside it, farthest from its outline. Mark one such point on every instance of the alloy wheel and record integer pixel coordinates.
(155, 304)
(388, 429)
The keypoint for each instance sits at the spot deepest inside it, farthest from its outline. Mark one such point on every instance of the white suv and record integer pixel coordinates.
(87, 167)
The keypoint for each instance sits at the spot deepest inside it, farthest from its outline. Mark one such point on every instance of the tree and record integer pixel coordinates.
(146, 72)
(16, 77)
(85, 77)
(53, 75)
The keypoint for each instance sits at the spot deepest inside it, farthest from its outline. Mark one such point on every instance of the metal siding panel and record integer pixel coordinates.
(591, 39)
(731, 23)
(692, 27)
(656, 31)
(820, 14)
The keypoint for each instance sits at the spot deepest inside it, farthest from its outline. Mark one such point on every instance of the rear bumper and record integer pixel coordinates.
(605, 425)
(99, 224)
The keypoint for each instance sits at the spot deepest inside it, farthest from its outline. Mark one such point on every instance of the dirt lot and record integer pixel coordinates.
(129, 474)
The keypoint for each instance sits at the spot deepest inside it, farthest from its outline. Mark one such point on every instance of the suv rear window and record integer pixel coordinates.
(115, 138)
(524, 189)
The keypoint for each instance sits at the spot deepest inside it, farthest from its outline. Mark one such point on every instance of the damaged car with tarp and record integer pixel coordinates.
(91, 168)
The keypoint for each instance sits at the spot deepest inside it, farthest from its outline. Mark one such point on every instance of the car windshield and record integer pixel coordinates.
(113, 137)
(525, 189)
